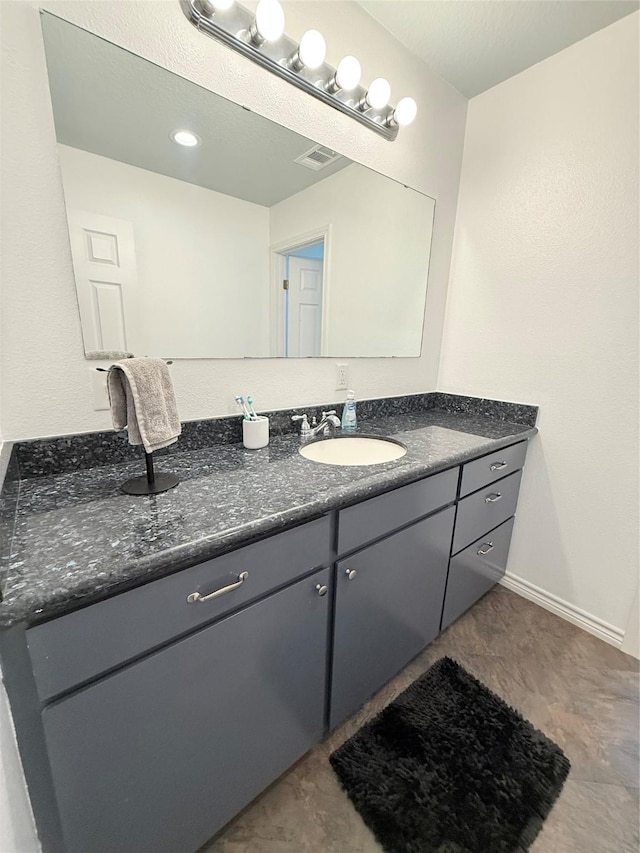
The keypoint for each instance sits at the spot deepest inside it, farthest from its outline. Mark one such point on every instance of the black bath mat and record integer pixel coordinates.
(450, 768)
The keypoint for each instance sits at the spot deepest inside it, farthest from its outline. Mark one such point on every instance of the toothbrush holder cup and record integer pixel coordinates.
(255, 434)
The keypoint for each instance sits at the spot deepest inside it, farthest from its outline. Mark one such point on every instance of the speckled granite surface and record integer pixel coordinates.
(45, 457)
(77, 538)
(9, 491)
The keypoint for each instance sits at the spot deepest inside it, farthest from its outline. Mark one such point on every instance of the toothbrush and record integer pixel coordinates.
(251, 409)
(240, 401)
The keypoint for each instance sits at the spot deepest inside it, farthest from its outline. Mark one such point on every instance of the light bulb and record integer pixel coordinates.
(312, 50)
(269, 22)
(210, 7)
(405, 112)
(185, 137)
(378, 93)
(348, 73)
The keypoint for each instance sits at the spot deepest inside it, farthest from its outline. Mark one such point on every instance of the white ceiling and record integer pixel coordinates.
(111, 102)
(475, 44)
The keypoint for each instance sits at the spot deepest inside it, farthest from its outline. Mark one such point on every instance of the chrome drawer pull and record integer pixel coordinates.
(322, 589)
(485, 548)
(195, 596)
(492, 498)
(498, 466)
(350, 573)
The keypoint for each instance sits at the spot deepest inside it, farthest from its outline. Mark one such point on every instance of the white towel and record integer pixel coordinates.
(142, 400)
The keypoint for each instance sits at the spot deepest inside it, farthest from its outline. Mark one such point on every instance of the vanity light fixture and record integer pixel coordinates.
(185, 137)
(261, 38)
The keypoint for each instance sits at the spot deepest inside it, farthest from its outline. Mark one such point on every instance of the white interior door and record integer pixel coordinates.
(304, 322)
(104, 263)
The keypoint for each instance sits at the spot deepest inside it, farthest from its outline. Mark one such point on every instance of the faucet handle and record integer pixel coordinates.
(326, 414)
(304, 426)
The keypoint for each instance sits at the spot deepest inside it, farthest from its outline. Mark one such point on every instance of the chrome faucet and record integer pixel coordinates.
(329, 420)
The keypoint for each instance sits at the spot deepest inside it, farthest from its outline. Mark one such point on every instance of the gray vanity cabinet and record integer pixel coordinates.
(388, 606)
(160, 755)
(149, 719)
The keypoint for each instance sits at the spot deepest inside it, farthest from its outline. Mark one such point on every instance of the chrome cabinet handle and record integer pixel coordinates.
(195, 596)
(350, 573)
(482, 550)
(492, 498)
(498, 466)
(322, 589)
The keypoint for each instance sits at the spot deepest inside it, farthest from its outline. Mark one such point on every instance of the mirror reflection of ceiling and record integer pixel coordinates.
(100, 91)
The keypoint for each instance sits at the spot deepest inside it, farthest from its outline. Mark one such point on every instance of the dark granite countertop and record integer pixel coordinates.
(78, 538)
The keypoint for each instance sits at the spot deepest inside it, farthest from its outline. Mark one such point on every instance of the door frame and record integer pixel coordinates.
(277, 251)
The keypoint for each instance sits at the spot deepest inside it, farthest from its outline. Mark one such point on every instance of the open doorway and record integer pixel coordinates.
(300, 297)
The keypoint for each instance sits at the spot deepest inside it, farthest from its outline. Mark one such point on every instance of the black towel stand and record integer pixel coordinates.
(149, 483)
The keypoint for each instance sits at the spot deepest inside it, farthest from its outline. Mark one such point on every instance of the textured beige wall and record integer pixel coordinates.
(543, 308)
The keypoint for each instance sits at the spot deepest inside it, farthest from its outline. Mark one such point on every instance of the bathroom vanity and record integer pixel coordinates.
(150, 712)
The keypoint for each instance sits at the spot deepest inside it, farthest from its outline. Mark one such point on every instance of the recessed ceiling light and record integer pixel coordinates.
(185, 137)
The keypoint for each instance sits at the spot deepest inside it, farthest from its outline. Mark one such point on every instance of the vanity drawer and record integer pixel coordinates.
(76, 647)
(488, 469)
(485, 510)
(475, 570)
(372, 519)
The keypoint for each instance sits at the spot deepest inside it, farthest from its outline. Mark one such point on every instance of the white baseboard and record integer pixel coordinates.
(603, 630)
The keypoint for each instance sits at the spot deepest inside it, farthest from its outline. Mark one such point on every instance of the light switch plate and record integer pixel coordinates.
(99, 392)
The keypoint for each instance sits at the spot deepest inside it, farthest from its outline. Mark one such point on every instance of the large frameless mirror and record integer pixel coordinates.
(199, 229)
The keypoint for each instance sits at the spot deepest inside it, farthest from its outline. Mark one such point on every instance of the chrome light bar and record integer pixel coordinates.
(238, 28)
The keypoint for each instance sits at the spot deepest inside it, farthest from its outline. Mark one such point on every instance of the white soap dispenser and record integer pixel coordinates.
(349, 419)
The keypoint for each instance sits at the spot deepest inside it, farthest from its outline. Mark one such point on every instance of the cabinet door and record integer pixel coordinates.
(389, 610)
(159, 756)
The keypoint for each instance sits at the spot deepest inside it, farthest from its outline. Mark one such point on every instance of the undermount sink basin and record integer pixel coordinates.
(353, 450)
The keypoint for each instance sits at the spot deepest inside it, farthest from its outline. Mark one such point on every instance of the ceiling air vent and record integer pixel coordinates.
(317, 157)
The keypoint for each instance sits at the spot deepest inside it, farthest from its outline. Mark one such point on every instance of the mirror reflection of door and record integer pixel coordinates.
(104, 263)
(303, 301)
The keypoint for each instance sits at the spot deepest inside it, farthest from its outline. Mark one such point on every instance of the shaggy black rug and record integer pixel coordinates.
(449, 767)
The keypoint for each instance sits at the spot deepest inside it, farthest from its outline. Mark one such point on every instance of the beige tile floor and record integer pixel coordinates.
(578, 690)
